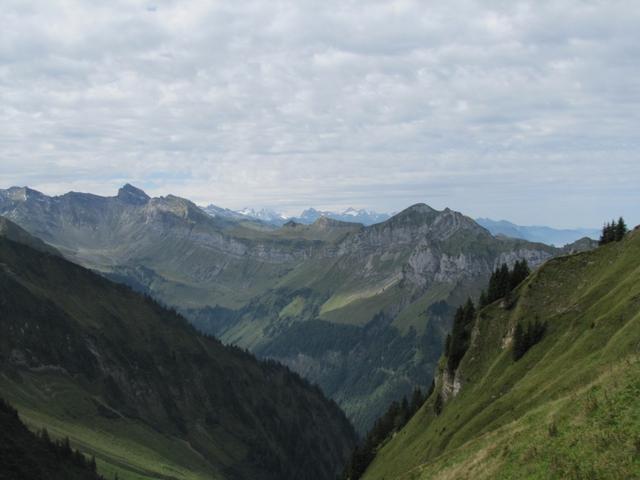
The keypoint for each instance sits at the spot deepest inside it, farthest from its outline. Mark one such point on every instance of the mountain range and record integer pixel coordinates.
(134, 384)
(548, 235)
(543, 234)
(360, 310)
(541, 381)
(307, 217)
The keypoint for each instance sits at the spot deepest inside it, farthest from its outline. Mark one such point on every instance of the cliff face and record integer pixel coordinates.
(259, 288)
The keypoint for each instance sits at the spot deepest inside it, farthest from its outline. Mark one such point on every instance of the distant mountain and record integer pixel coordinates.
(273, 218)
(548, 235)
(216, 211)
(365, 217)
(564, 405)
(136, 385)
(265, 215)
(360, 310)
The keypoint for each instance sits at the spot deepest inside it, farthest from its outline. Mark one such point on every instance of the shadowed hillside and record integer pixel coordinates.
(134, 384)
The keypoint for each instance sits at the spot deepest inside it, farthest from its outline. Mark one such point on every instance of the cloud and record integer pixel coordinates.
(523, 110)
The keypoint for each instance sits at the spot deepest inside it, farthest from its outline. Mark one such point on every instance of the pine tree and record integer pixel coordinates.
(460, 334)
(432, 387)
(493, 294)
(438, 405)
(417, 399)
(519, 274)
(525, 338)
(609, 233)
(621, 229)
(603, 234)
(447, 345)
(66, 447)
(403, 415)
(484, 299)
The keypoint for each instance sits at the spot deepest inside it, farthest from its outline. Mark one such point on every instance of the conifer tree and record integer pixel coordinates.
(621, 229)
(417, 399)
(460, 334)
(484, 300)
(603, 234)
(519, 274)
(504, 281)
(524, 339)
(438, 405)
(608, 233)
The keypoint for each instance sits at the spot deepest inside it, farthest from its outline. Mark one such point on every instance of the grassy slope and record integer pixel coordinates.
(570, 408)
(188, 407)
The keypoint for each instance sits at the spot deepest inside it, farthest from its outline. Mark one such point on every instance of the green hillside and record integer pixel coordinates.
(133, 384)
(568, 409)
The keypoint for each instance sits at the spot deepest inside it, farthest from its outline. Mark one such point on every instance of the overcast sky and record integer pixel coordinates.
(527, 111)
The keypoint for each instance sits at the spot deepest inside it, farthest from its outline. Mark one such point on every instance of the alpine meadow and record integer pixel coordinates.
(367, 240)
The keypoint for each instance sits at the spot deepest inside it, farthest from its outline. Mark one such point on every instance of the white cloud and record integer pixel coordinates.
(524, 110)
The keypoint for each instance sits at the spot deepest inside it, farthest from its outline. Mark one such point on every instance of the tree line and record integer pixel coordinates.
(613, 232)
(503, 281)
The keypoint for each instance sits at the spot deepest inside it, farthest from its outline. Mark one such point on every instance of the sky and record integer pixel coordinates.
(527, 111)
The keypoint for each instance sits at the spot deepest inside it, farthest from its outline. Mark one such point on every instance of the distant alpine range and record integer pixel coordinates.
(534, 233)
(307, 217)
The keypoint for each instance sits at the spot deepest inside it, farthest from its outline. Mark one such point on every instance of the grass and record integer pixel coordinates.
(293, 308)
(570, 408)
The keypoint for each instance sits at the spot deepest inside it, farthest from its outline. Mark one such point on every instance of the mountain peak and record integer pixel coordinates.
(416, 211)
(20, 194)
(130, 194)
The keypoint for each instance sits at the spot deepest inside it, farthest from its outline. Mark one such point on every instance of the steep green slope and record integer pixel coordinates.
(26, 456)
(135, 385)
(569, 408)
(388, 288)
